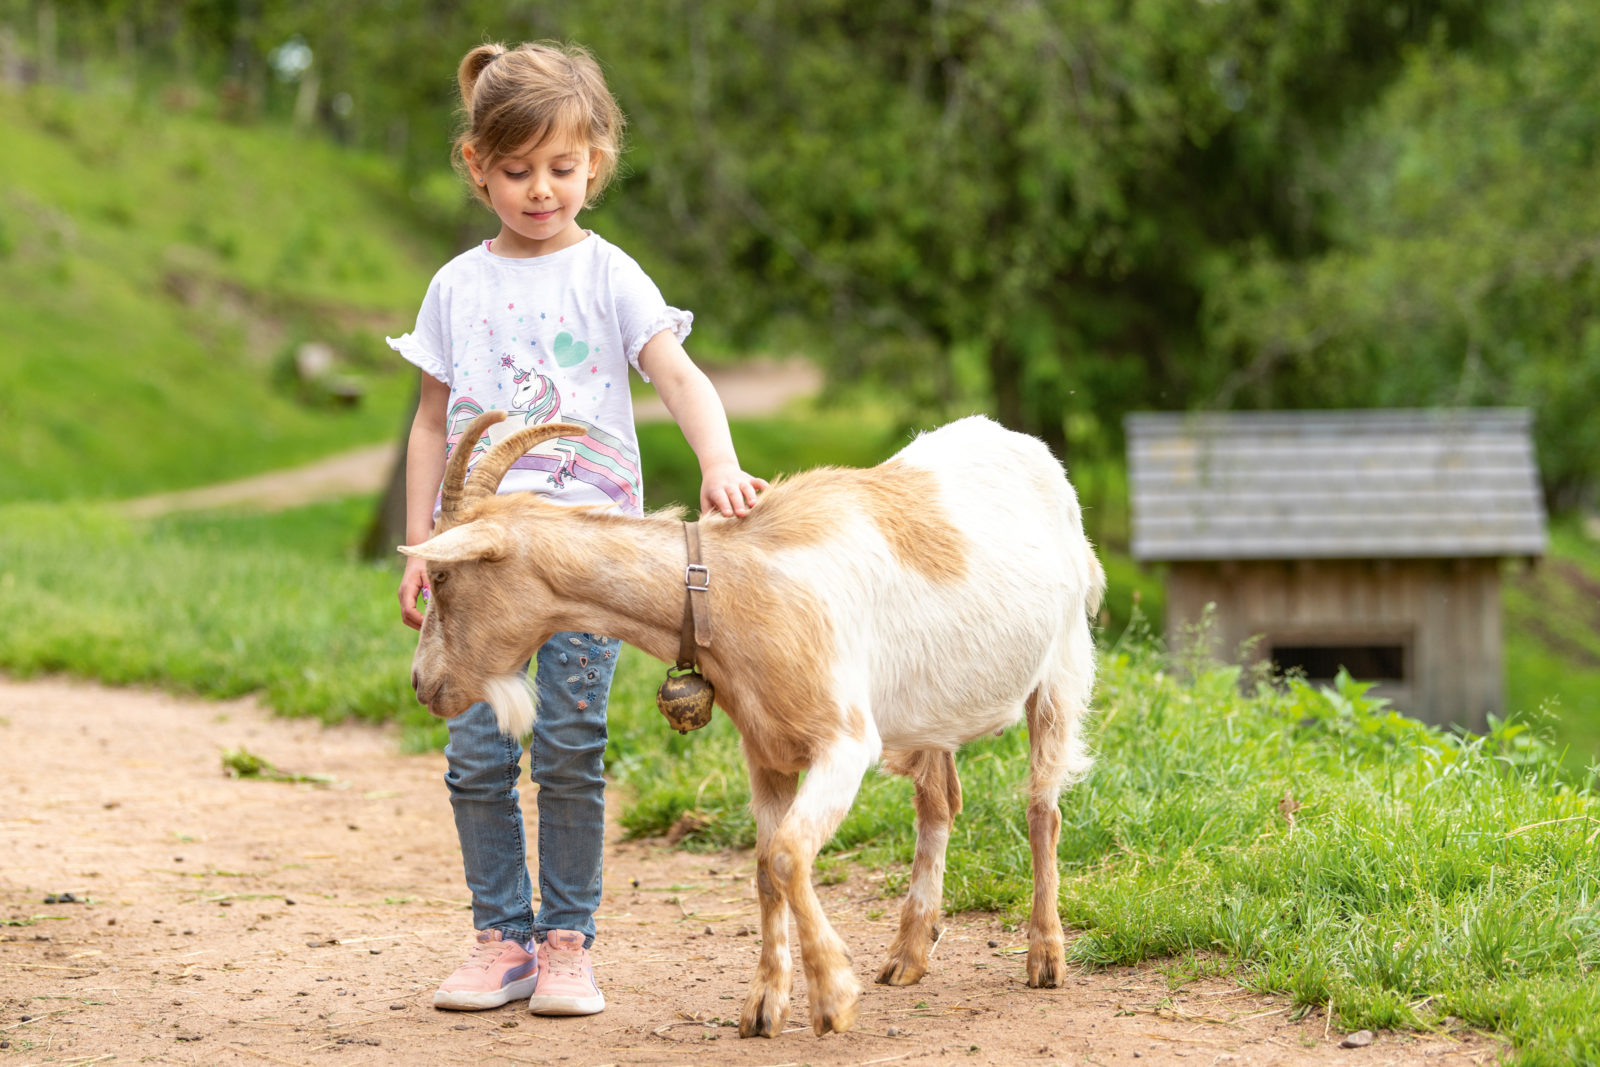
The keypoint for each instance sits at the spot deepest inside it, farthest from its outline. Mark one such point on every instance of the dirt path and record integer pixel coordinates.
(242, 921)
(748, 390)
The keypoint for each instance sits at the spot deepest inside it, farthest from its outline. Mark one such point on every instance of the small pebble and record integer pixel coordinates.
(893, 1031)
(462, 1026)
(1359, 1039)
(375, 951)
(709, 931)
(994, 944)
(397, 1007)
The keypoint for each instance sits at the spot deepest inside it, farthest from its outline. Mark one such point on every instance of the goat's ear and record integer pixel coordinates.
(461, 544)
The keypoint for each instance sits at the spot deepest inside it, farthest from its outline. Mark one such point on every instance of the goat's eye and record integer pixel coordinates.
(439, 577)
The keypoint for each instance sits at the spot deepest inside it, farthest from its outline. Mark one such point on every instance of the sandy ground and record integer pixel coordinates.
(219, 920)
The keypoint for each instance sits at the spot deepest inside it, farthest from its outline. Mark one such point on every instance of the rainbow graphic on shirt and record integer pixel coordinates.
(597, 458)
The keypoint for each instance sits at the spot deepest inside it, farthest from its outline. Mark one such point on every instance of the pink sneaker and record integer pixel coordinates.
(565, 983)
(497, 972)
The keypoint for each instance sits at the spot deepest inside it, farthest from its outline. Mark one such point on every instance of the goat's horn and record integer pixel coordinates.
(455, 472)
(485, 477)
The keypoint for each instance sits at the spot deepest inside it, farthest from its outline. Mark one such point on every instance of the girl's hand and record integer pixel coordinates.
(412, 582)
(729, 490)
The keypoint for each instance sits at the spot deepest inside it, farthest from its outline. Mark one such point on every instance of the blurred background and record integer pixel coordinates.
(1057, 213)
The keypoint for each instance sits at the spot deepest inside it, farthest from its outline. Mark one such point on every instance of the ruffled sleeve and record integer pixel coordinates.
(426, 344)
(641, 310)
(680, 322)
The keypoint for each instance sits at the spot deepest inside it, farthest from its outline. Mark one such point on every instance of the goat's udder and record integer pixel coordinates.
(511, 696)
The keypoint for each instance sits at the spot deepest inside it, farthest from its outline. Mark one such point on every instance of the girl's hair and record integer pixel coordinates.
(530, 95)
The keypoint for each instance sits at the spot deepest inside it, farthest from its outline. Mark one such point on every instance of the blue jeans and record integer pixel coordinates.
(572, 681)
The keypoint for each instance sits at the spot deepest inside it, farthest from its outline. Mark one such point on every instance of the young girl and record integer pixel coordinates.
(544, 321)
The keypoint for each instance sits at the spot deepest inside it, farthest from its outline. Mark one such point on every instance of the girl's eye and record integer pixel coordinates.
(516, 175)
(560, 173)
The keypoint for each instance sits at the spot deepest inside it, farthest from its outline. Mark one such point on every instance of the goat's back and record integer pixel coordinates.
(956, 570)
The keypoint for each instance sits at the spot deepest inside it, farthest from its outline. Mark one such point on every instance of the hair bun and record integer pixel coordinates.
(472, 66)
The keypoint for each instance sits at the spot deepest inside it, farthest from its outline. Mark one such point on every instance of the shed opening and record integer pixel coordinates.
(1321, 663)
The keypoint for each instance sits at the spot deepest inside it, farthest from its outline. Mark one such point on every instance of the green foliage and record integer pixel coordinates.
(1462, 260)
(1056, 211)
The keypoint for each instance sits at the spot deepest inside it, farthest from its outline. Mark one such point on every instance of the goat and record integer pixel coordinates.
(891, 612)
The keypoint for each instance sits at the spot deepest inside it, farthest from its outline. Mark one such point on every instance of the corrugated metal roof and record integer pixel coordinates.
(1334, 485)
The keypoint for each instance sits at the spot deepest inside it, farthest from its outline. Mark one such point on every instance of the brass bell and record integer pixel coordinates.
(685, 699)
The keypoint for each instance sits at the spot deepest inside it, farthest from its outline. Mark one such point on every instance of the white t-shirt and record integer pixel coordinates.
(547, 339)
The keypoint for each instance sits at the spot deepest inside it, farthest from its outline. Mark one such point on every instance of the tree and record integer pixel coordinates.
(1463, 262)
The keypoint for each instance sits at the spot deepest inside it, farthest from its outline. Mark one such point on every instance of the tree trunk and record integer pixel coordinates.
(388, 526)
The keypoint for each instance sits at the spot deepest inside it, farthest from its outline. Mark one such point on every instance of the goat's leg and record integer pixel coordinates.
(938, 800)
(1056, 755)
(766, 1008)
(824, 799)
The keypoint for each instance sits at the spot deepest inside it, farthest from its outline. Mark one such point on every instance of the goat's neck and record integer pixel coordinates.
(618, 576)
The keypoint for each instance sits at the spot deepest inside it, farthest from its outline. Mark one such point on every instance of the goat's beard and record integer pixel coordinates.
(511, 696)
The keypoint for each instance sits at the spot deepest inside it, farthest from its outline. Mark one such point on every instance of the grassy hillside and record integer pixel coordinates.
(160, 269)
(1552, 626)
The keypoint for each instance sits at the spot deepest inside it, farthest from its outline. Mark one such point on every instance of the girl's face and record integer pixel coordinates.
(537, 192)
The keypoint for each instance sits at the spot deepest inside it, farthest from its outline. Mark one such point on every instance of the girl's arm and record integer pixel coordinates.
(695, 406)
(424, 472)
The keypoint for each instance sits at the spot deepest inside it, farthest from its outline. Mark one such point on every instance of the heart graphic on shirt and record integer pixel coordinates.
(570, 353)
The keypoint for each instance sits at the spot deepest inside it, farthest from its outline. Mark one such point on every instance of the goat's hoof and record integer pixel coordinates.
(836, 1014)
(1046, 965)
(765, 1012)
(901, 969)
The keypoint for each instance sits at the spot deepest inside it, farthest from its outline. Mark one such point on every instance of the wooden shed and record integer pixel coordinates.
(1371, 540)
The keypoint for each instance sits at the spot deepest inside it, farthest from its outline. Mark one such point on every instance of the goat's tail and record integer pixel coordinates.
(1058, 706)
(1095, 587)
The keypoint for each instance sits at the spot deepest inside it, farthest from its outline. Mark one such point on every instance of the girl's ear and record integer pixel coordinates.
(470, 154)
(594, 162)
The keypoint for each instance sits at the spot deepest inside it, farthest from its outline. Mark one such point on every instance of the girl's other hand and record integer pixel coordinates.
(412, 582)
(729, 491)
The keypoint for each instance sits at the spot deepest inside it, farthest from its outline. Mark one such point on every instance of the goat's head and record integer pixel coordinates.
(466, 651)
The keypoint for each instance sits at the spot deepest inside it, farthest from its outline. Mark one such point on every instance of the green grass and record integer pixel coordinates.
(1552, 625)
(161, 268)
(218, 608)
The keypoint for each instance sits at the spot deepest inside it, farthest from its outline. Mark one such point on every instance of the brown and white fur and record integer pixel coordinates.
(890, 613)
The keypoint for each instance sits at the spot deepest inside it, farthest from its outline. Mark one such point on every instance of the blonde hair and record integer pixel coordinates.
(529, 95)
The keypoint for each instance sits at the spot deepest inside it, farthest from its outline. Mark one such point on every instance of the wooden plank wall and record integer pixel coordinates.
(1446, 612)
